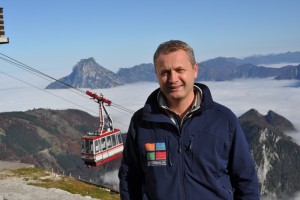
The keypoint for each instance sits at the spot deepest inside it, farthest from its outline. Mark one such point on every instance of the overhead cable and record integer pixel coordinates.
(36, 72)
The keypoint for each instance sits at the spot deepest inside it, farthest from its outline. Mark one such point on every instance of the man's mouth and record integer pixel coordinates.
(174, 87)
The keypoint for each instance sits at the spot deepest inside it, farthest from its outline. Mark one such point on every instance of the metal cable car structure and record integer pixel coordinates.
(105, 143)
(3, 39)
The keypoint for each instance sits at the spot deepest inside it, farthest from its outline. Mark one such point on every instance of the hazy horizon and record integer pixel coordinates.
(239, 95)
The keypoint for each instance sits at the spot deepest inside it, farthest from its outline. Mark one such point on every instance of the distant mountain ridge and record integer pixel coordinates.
(87, 73)
(288, 57)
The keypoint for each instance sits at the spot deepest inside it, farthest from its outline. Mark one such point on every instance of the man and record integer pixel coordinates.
(182, 144)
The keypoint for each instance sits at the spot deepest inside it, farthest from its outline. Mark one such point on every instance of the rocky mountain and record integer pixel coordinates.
(50, 139)
(89, 74)
(142, 72)
(276, 156)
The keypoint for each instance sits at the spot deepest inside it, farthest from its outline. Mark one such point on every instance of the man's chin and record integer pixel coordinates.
(175, 97)
(175, 92)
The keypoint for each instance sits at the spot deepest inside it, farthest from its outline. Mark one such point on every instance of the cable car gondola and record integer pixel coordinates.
(105, 144)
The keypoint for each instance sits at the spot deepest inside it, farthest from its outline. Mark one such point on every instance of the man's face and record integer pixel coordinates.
(176, 75)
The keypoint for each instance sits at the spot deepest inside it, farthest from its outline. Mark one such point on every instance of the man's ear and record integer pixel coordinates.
(195, 70)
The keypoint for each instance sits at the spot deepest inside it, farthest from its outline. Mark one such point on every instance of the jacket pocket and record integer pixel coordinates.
(225, 187)
(202, 150)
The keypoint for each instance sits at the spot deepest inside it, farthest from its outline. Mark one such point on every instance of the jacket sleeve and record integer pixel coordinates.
(241, 167)
(130, 172)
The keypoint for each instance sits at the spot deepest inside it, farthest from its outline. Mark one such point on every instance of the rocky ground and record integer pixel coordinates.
(14, 188)
(18, 190)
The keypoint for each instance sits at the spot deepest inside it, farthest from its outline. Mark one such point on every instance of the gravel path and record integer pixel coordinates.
(18, 190)
(13, 188)
(13, 165)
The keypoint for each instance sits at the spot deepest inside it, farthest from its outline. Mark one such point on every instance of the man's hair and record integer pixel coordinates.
(172, 46)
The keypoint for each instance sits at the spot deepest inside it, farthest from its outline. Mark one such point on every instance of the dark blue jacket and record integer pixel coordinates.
(207, 157)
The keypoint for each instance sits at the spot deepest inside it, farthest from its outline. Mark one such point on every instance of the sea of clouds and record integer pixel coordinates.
(26, 93)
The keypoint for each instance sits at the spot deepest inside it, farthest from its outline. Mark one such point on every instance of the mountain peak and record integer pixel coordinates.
(252, 114)
(279, 121)
(85, 61)
(271, 119)
(90, 59)
(87, 73)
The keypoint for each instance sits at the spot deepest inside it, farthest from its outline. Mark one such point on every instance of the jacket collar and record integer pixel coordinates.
(162, 101)
(152, 105)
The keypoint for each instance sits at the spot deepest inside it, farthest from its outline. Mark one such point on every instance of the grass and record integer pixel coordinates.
(41, 178)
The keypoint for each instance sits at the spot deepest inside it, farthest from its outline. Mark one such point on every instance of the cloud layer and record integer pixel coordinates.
(239, 95)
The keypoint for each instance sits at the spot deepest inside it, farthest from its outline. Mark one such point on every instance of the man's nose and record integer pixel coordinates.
(173, 77)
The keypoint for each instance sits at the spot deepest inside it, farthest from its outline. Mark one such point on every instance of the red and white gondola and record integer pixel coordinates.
(105, 144)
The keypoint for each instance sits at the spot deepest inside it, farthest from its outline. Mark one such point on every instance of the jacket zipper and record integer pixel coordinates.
(182, 154)
(180, 123)
(169, 157)
(181, 162)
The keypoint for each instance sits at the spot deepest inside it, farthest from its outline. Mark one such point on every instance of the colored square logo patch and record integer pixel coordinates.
(160, 146)
(150, 155)
(159, 155)
(150, 146)
(156, 154)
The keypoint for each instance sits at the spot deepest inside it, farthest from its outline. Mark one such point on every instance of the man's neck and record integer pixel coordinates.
(178, 107)
(182, 107)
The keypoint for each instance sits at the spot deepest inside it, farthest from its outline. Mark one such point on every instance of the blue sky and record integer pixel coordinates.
(53, 35)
